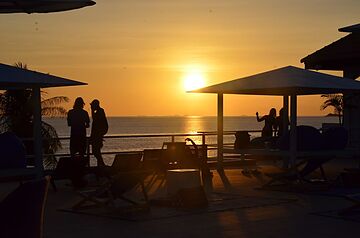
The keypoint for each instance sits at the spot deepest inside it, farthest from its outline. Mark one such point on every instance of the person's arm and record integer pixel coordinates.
(259, 119)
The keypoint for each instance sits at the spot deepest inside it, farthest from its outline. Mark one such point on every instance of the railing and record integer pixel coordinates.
(207, 138)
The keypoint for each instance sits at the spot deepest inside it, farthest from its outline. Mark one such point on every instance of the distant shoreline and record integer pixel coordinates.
(331, 115)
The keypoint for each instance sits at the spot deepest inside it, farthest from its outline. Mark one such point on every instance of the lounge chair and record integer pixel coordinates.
(22, 211)
(124, 176)
(152, 161)
(70, 168)
(177, 155)
(310, 139)
(172, 155)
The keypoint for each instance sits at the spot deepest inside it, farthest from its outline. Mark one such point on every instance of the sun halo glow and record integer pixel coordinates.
(194, 80)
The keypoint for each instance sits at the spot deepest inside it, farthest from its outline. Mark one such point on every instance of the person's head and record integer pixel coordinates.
(272, 112)
(79, 103)
(95, 104)
(281, 112)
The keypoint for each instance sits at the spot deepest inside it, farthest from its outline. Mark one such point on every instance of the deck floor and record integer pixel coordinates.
(293, 219)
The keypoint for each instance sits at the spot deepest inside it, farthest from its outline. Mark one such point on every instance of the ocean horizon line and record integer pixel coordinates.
(190, 116)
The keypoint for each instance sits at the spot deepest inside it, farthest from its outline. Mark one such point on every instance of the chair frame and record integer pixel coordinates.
(282, 177)
(103, 196)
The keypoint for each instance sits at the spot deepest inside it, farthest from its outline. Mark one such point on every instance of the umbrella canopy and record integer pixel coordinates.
(42, 6)
(12, 77)
(288, 80)
(284, 81)
(16, 78)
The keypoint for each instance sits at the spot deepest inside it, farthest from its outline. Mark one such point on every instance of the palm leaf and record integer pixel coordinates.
(51, 143)
(54, 101)
(20, 65)
(336, 101)
(53, 111)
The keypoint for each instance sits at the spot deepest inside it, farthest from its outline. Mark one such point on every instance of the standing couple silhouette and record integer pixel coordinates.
(273, 123)
(78, 119)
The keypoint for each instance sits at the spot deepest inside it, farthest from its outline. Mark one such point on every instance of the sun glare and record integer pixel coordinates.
(194, 79)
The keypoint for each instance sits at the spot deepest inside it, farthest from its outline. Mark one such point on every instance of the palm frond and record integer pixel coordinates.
(49, 132)
(51, 143)
(20, 65)
(54, 101)
(53, 111)
(336, 101)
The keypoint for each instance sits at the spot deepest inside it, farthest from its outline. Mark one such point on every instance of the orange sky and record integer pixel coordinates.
(134, 54)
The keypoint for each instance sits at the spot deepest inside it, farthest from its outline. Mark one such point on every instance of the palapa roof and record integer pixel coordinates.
(287, 80)
(12, 77)
(340, 55)
(352, 28)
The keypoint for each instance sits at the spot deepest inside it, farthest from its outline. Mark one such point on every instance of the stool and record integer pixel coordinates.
(177, 179)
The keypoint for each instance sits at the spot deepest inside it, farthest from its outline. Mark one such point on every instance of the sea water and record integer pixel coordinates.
(170, 125)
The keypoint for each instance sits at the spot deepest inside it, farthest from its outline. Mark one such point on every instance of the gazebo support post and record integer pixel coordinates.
(293, 136)
(286, 113)
(220, 142)
(37, 132)
(220, 128)
(285, 125)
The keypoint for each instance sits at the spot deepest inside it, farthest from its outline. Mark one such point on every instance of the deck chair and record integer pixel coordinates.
(152, 162)
(122, 162)
(22, 211)
(126, 175)
(178, 155)
(311, 139)
(70, 168)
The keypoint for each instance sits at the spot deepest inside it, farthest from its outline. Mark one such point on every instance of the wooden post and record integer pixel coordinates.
(351, 113)
(220, 141)
(220, 128)
(37, 132)
(285, 121)
(285, 126)
(293, 136)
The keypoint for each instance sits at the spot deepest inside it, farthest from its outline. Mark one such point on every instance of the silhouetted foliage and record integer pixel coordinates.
(337, 102)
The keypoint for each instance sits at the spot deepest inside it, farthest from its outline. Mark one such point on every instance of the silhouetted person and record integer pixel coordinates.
(98, 130)
(280, 120)
(270, 123)
(78, 119)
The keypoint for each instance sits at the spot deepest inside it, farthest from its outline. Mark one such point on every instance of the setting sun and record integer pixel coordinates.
(194, 79)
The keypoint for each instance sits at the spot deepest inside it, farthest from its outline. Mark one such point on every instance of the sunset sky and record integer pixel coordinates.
(136, 55)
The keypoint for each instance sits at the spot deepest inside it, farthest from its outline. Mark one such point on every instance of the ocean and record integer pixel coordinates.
(170, 125)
